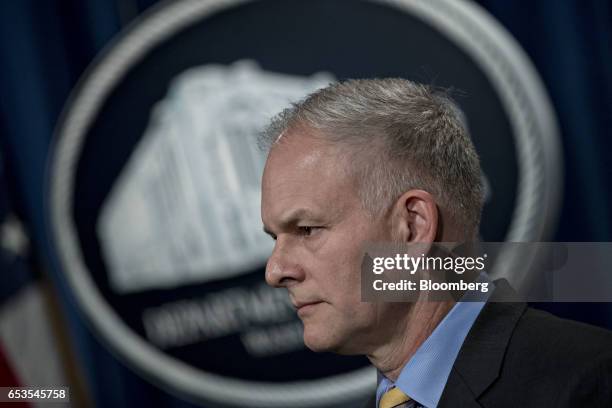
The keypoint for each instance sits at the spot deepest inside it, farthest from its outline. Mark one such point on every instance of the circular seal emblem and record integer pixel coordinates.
(155, 177)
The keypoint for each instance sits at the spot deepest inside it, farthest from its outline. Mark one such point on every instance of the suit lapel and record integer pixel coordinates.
(457, 393)
(479, 361)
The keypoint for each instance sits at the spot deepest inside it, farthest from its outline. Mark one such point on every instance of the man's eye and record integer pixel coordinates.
(308, 230)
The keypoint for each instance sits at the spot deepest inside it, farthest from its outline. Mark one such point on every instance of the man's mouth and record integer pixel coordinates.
(304, 308)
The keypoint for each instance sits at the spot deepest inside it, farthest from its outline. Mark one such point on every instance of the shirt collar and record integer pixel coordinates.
(424, 377)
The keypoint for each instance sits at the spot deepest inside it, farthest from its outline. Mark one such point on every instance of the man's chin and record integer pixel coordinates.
(324, 343)
(318, 342)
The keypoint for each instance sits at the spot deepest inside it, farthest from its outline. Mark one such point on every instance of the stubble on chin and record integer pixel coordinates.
(319, 338)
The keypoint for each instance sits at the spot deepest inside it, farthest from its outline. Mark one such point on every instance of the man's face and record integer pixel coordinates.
(310, 204)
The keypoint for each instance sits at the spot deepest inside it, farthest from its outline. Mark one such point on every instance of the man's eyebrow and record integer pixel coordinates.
(290, 219)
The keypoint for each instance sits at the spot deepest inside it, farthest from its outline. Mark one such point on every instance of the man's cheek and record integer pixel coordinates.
(318, 241)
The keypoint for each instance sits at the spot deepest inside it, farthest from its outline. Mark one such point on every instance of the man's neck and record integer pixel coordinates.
(424, 317)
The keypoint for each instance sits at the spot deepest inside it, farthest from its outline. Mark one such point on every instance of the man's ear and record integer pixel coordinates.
(415, 217)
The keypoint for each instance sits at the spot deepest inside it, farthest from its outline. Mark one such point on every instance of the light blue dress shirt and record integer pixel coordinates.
(424, 376)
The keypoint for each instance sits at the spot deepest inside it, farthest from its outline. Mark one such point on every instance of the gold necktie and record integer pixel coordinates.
(393, 398)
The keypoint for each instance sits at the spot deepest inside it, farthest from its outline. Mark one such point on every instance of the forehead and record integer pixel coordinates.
(304, 170)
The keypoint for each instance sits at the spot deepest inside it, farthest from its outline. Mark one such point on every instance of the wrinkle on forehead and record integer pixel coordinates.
(306, 149)
(306, 171)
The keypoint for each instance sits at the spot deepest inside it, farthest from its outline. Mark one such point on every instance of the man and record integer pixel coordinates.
(390, 161)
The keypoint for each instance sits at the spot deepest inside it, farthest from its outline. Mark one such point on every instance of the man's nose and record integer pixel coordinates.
(283, 270)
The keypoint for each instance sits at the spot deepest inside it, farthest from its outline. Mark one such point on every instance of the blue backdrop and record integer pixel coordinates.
(46, 45)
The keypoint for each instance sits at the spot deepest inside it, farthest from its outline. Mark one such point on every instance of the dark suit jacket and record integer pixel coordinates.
(518, 357)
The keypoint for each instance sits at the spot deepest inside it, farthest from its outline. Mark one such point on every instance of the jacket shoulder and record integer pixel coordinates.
(555, 362)
(542, 336)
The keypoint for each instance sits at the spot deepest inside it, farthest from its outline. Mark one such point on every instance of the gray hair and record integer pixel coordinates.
(403, 136)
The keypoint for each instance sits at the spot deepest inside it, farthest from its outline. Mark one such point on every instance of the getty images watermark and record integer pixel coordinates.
(549, 271)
